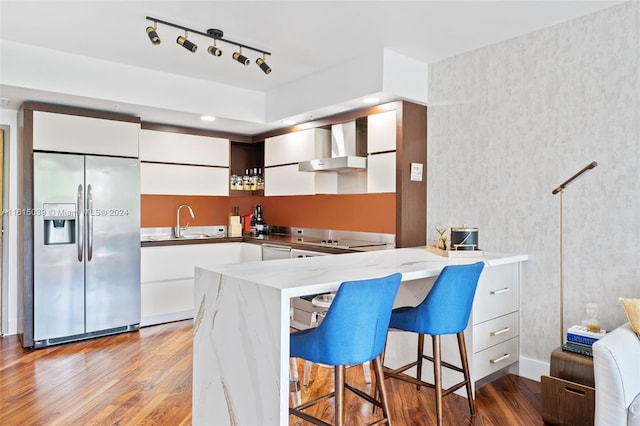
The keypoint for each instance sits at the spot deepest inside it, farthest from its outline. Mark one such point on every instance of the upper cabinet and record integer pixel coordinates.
(84, 135)
(381, 146)
(183, 148)
(183, 164)
(281, 157)
(298, 146)
(381, 132)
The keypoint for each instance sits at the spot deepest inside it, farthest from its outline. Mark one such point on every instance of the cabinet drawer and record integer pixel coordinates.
(495, 358)
(495, 331)
(497, 293)
(566, 403)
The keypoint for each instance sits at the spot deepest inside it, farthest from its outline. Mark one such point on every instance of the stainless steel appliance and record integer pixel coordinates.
(275, 252)
(86, 248)
(348, 149)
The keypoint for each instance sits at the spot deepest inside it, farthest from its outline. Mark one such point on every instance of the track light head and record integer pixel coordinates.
(182, 41)
(263, 65)
(238, 56)
(153, 35)
(214, 50)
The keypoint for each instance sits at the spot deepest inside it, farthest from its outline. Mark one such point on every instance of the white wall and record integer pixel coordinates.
(507, 124)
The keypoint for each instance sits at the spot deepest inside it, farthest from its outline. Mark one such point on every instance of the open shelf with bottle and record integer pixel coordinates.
(247, 166)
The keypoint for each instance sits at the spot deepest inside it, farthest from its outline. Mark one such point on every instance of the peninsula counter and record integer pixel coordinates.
(241, 327)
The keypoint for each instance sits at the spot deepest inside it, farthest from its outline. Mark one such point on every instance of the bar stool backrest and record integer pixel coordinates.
(355, 326)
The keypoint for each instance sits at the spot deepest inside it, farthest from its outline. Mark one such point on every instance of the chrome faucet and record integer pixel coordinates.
(177, 232)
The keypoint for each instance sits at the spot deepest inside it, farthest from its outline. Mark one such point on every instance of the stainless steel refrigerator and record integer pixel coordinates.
(86, 248)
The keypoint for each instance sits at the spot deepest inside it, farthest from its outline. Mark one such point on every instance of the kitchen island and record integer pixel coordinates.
(241, 328)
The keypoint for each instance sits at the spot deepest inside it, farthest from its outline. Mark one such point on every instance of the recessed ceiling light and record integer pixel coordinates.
(370, 100)
(289, 122)
(4, 101)
(207, 118)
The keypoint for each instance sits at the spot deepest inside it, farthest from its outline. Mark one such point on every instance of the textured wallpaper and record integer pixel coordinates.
(507, 124)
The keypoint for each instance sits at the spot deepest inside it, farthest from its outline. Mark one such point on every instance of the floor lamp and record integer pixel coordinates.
(560, 189)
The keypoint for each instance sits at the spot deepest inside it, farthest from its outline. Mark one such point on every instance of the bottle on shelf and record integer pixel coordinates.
(246, 180)
(260, 179)
(253, 180)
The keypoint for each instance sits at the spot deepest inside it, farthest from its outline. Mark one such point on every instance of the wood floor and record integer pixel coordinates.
(144, 378)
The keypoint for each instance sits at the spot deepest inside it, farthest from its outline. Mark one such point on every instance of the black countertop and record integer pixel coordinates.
(286, 240)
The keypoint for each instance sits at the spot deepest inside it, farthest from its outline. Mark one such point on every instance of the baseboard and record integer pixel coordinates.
(161, 319)
(530, 368)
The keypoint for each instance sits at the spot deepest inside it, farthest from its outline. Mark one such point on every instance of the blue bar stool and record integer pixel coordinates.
(353, 331)
(445, 310)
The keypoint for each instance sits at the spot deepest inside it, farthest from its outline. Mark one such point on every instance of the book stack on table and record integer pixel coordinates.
(580, 340)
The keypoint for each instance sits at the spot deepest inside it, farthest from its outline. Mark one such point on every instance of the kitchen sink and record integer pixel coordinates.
(191, 236)
(168, 237)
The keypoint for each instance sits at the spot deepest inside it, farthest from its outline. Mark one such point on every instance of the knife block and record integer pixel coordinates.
(235, 227)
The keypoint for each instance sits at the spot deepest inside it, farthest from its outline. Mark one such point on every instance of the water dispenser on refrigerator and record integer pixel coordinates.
(59, 223)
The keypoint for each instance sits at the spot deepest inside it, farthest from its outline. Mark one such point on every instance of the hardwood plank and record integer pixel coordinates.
(145, 377)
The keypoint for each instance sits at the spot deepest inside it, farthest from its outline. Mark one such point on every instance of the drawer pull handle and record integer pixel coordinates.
(497, 360)
(495, 333)
(574, 391)
(502, 290)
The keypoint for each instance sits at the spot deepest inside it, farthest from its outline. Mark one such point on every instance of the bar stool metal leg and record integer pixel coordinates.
(339, 399)
(437, 376)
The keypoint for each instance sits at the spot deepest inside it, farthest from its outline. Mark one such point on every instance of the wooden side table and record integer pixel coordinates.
(568, 394)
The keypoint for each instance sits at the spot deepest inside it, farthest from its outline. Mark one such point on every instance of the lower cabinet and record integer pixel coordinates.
(167, 276)
(496, 320)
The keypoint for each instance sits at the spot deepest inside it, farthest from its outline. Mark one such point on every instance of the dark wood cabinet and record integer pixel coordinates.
(568, 393)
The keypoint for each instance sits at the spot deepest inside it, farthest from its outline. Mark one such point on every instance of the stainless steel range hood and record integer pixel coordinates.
(348, 149)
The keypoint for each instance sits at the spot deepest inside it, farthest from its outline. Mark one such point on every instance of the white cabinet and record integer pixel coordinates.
(85, 135)
(183, 164)
(381, 172)
(177, 179)
(381, 132)
(167, 276)
(381, 147)
(281, 157)
(496, 324)
(287, 180)
(298, 146)
(167, 147)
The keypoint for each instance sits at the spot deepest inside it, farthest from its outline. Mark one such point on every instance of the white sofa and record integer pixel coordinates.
(616, 362)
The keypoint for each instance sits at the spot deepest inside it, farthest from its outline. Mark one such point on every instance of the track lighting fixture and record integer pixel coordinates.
(263, 65)
(182, 41)
(216, 35)
(153, 35)
(238, 56)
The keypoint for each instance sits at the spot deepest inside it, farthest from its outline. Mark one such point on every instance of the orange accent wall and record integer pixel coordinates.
(349, 212)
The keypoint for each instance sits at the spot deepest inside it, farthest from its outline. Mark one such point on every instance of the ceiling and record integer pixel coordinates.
(307, 39)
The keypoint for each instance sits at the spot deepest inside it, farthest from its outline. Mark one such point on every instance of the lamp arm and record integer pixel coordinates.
(574, 177)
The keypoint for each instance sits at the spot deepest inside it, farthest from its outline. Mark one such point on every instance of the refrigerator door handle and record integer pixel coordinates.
(80, 221)
(89, 223)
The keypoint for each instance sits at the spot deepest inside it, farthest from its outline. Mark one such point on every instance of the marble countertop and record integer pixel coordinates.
(297, 277)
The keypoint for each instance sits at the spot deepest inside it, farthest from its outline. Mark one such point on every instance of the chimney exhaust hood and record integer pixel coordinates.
(348, 149)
